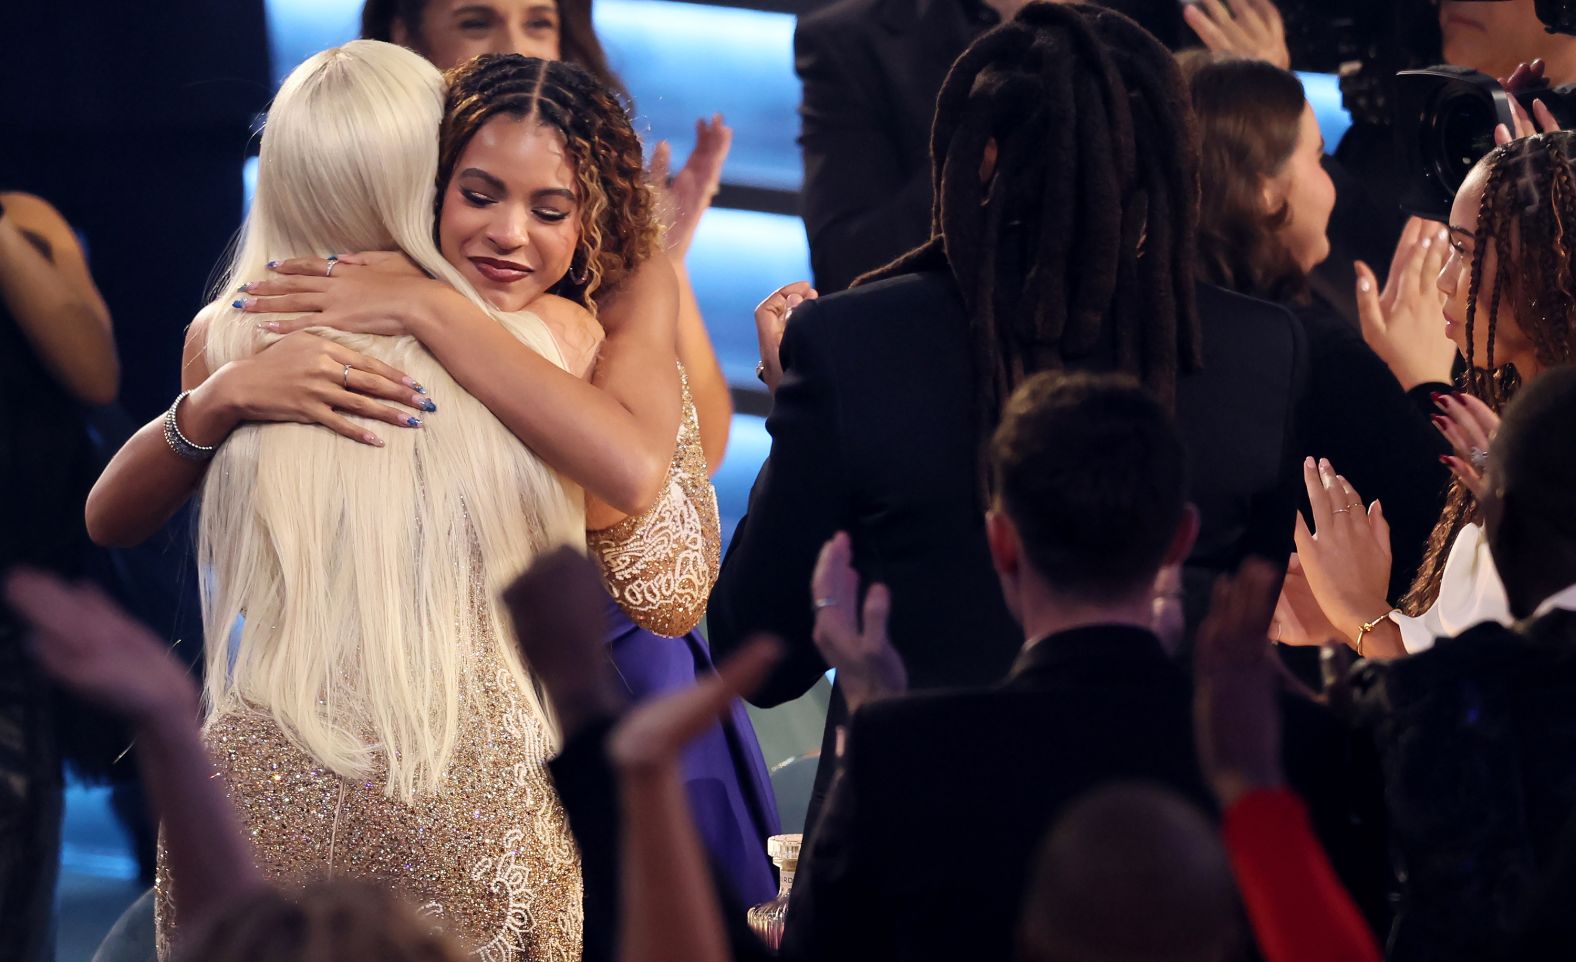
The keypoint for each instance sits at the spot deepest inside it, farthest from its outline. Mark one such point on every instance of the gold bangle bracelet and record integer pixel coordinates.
(1364, 629)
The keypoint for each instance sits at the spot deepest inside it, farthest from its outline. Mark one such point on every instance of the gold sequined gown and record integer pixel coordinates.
(489, 859)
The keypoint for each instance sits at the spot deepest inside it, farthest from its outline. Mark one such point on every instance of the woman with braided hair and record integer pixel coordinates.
(1510, 308)
(1064, 176)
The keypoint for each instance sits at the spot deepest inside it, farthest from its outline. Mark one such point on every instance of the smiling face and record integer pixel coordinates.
(510, 212)
(1455, 281)
(453, 31)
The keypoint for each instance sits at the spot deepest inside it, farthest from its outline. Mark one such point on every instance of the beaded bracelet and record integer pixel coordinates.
(183, 446)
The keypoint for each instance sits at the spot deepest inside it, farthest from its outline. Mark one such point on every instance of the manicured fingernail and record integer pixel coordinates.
(373, 440)
(271, 265)
(1308, 463)
(411, 383)
(1446, 459)
(241, 303)
(272, 326)
(244, 287)
(413, 422)
(1365, 285)
(1439, 421)
(1427, 243)
(1436, 396)
(427, 404)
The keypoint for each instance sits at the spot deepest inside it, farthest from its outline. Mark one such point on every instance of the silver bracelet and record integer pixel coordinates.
(183, 446)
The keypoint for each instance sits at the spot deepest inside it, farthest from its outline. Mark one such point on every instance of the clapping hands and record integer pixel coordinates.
(853, 639)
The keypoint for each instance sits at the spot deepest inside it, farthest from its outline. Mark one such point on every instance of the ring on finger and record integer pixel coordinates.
(333, 261)
(344, 378)
(1345, 510)
(824, 603)
(1479, 459)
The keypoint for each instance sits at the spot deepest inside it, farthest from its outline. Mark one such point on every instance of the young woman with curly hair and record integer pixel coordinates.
(450, 32)
(543, 206)
(1510, 301)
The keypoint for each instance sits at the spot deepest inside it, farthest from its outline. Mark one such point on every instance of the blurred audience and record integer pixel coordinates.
(890, 391)
(1479, 732)
(1264, 213)
(57, 357)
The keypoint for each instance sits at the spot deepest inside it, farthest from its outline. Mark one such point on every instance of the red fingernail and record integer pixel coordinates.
(1437, 396)
(1439, 421)
(1446, 459)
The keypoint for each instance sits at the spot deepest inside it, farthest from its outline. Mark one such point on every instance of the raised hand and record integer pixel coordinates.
(1525, 76)
(689, 192)
(852, 640)
(1346, 555)
(1247, 28)
(1235, 715)
(85, 642)
(1470, 426)
(771, 320)
(1404, 324)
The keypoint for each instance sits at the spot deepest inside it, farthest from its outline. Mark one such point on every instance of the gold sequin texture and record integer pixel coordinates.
(660, 565)
(489, 858)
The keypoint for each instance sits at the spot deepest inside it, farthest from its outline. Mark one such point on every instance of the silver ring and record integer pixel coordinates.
(825, 603)
(1346, 510)
(333, 259)
(1479, 459)
(344, 379)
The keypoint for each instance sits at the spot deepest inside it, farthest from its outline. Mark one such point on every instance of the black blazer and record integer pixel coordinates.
(873, 432)
(871, 70)
(931, 831)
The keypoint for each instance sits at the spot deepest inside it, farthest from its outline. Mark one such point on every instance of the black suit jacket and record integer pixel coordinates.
(931, 831)
(871, 70)
(873, 432)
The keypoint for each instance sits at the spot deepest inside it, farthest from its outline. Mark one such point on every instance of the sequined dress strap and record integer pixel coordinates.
(660, 565)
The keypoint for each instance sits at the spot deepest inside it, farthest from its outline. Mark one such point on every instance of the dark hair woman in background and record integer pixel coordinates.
(1265, 208)
(450, 32)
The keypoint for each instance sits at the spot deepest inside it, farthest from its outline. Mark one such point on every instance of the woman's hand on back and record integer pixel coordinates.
(307, 379)
(1405, 323)
(374, 292)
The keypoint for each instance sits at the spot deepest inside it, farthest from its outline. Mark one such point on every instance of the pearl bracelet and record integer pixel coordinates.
(183, 446)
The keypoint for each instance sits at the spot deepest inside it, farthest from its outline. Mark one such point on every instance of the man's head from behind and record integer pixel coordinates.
(1529, 509)
(1090, 482)
(1130, 873)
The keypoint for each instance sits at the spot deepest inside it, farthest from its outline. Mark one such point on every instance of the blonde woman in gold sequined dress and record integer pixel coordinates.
(368, 711)
(516, 133)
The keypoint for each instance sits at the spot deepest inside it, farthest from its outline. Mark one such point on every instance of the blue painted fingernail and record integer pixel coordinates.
(428, 405)
(418, 388)
(239, 303)
(243, 287)
(271, 265)
(413, 422)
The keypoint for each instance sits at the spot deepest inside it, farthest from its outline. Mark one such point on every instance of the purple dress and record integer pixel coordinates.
(659, 567)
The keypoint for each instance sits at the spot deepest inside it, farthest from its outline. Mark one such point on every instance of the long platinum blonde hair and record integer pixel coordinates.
(366, 580)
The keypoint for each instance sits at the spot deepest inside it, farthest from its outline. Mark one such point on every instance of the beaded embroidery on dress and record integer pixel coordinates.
(660, 565)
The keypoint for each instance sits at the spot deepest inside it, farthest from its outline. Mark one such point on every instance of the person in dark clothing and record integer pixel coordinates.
(870, 70)
(891, 389)
(1478, 733)
(1266, 203)
(1090, 482)
(57, 356)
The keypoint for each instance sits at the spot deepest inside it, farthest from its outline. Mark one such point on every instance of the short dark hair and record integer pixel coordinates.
(1091, 471)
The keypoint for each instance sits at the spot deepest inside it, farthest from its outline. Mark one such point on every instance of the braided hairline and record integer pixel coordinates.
(617, 211)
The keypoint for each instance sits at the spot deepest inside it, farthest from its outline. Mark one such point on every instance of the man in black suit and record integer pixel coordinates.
(927, 839)
(890, 390)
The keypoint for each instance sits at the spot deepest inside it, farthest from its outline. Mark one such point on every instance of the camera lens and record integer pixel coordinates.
(1462, 132)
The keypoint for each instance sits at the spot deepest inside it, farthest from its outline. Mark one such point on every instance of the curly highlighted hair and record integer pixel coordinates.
(1528, 216)
(618, 213)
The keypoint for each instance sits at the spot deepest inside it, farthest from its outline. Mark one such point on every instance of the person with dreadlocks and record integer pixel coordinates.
(1064, 209)
(1510, 287)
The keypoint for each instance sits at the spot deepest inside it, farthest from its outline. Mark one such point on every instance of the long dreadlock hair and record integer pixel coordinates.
(1528, 214)
(1080, 246)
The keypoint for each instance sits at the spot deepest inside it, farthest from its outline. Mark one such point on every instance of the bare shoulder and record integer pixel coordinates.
(194, 355)
(574, 328)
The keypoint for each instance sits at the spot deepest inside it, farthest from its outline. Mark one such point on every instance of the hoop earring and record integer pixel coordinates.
(581, 278)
